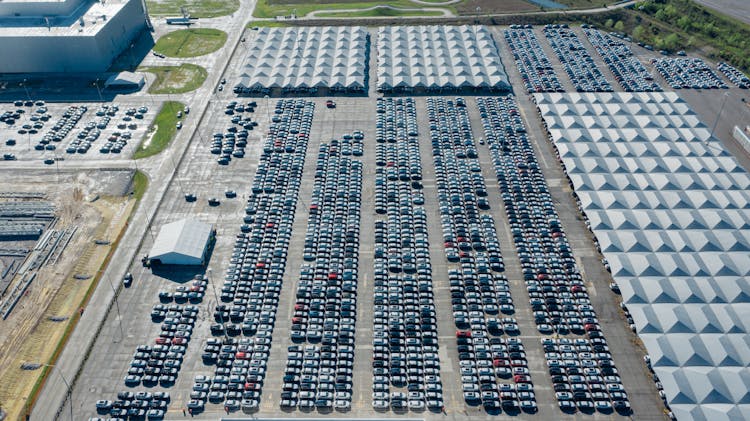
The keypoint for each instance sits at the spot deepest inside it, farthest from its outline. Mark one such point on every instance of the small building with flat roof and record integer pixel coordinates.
(183, 242)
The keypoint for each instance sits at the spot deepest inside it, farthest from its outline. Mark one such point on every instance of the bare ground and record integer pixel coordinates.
(29, 335)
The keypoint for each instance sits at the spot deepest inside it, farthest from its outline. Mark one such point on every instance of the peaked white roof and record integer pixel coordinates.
(185, 237)
(301, 57)
(670, 209)
(438, 56)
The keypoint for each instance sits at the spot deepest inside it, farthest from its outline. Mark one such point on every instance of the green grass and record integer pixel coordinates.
(273, 8)
(197, 8)
(165, 124)
(380, 11)
(176, 79)
(267, 23)
(140, 184)
(190, 42)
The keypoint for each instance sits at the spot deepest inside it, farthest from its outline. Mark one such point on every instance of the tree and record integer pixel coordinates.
(609, 23)
(638, 32)
(684, 22)
(672, 42)
(619, 26)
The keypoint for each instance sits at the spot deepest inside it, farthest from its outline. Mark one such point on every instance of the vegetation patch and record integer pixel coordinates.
(176, 79)
(469, 7)
(162, 130)
(196, 8)
(273, 8)
(379, 12)
(681, 24)
(190, 42)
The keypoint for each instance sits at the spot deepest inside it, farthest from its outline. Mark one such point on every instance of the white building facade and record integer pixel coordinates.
(67, 36)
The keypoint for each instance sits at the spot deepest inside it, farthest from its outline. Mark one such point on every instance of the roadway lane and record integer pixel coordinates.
(71, 359)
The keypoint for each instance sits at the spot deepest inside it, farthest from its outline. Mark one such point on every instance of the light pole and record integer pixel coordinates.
(70, 391)
(268, 110)
(718, 116)
(117, 306)
(216, 298)
(25, 88)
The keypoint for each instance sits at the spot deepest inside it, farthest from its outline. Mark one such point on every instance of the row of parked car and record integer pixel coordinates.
(133, 405)
(92, 130)
(535, 67)
(406, 365)
(36, 121)
(238, 376)
(158, 364)
(62, 127)
(584, 376)
(493, 365)
(688, 73)
(629, 72)
(232, 143)
(578, 63)
(319, 374)
(249, 298)
(558, 295)
(161, 363)
(737, 77)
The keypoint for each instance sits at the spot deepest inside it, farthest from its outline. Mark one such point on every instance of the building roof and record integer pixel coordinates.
(125, 79)
(670, 209)
(185, 237)
(307, 57)
(88, 20)
(438, 57)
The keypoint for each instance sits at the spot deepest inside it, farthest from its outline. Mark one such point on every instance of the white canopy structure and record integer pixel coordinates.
(670, 208)
(307, 57)
(438, 57)
(182, 242)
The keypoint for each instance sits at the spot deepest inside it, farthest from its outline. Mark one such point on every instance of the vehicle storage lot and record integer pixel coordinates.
(35, 120)
(200, 174)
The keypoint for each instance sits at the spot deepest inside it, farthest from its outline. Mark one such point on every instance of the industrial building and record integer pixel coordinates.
(183, 242)
(67, 36)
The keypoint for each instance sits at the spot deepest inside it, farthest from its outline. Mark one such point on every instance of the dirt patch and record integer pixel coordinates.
(38, 322)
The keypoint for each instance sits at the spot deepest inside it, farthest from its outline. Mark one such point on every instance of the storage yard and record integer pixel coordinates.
(542, 233)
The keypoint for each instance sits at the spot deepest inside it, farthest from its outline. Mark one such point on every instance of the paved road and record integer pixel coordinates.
(71, 359)
(738, 9)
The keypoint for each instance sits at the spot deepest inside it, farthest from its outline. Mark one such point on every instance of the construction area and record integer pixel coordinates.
(54, 243)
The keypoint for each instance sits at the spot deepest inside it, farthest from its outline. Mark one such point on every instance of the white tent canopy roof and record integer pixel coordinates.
(302, 57)
(670, 209)
(439, 56)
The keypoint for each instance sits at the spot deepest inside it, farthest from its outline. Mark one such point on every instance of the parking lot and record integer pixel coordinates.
(202, 176)
(328, 289)
(39, 131)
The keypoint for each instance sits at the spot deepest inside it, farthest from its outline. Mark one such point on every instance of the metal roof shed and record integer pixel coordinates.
(183, 242)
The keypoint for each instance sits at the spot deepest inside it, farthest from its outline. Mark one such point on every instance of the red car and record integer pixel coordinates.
(330, 104)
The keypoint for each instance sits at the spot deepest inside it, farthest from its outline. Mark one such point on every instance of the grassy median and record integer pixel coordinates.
(161, 132)
(176, 79)
(190, 42)
(196, 8)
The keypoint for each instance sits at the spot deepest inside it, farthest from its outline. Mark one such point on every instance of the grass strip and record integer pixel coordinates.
(165, 124)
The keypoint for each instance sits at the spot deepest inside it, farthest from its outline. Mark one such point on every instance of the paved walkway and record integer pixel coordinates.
(55, 390)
